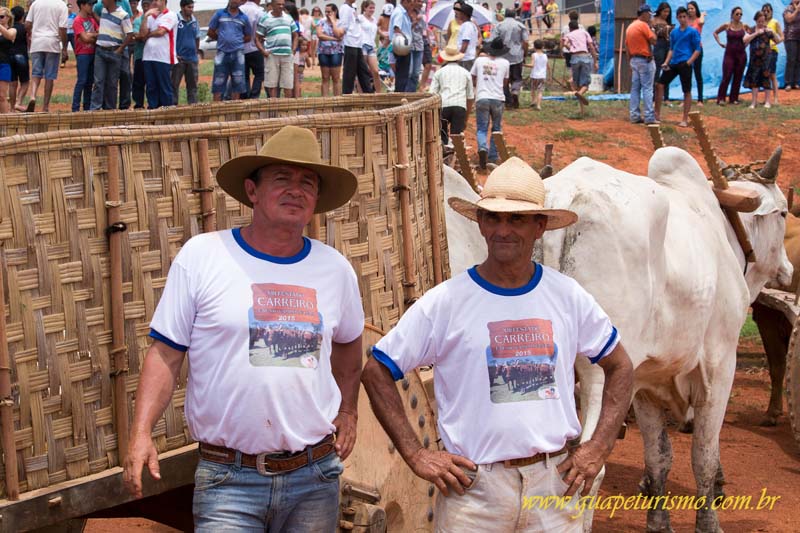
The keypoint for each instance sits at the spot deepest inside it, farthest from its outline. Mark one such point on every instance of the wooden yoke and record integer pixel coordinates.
(722, 184)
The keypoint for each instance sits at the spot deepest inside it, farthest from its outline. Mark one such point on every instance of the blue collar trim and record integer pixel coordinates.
(502, 291)
(299, 256)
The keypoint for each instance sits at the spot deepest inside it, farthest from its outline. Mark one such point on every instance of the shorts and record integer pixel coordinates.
(45, 65)
(5, 72)
(773, 61)
(279, 72)
(330, 60)
(678, 69)
(369, 51)
(20, 71)
(537, 84)
(581, 66)
(229, 65)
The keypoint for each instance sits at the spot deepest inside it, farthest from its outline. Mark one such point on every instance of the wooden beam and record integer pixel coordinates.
(463, 159)
(721, 183)
(547, 169)
(739, 199)
(655, 135)
(500, 143)
(7, 401)
(85, 495)
(433, 149)
(119, 350)
(403, 189)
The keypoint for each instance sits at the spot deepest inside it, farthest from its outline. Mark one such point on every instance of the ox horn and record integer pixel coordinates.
(770, 170)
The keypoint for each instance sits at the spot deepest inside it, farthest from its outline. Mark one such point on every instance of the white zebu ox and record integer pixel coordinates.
(660, 258)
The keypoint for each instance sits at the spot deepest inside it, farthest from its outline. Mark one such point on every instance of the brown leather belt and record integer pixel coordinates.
(533, 459)
(269, 463)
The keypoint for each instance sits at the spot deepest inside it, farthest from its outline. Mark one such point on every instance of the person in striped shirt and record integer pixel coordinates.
(158, 33)
(116, 31)
(276, 27)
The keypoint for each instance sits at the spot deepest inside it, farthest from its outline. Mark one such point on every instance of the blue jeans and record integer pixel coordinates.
(238, 498)
(484, 109)
(84, 83)
(106, 78)
(139, 84)
(416, 70)
(125, 79)
(642, 75)
(159, 84)
(229, 65)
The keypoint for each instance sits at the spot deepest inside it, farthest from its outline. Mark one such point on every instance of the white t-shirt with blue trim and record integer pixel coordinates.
(258, 330)
(503, 360)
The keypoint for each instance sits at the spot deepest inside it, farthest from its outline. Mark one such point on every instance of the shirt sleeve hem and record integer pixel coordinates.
(612, 342)
(172, 344)
(386, 361)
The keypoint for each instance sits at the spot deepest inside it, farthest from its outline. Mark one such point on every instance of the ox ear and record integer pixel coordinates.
(769, 171)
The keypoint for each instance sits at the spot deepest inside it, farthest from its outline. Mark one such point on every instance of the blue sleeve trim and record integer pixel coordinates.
(386, 361)
(174, 345)
(606, 348)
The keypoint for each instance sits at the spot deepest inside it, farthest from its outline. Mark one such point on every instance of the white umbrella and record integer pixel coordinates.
(442, 14)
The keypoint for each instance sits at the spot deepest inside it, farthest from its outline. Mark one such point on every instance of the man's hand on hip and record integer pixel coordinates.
(582, 466)
(345, 423)
(141, 451)
(442, 469)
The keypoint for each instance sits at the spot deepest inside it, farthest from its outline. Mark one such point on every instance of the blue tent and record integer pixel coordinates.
(717, 12)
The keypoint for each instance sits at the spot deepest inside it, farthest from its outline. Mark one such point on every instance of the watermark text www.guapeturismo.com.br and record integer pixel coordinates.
(639, 502)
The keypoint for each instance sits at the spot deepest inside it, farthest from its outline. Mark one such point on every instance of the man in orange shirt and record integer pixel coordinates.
(639, 38)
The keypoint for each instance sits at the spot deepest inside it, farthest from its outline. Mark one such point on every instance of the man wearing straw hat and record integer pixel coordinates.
(503, 338)
(272, 324)
(454, 85)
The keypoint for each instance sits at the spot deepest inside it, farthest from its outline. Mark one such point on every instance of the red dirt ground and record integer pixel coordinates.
(754, 458)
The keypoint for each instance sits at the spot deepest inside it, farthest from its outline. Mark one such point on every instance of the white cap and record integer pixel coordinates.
(387, 10)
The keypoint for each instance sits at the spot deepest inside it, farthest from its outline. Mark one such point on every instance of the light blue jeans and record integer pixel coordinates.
(642, 75)
(237, 498)
(484, 110)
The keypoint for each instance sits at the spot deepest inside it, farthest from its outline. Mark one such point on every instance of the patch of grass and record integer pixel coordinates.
(749, 329)
(588, 137)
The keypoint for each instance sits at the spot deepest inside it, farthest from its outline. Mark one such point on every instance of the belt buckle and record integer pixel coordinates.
(261, 465)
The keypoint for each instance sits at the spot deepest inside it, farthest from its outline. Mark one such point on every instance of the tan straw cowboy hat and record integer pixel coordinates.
(451, 53)
(514, 187)
(290, 146)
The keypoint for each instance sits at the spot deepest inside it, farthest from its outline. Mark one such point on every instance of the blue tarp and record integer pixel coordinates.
(717, 12)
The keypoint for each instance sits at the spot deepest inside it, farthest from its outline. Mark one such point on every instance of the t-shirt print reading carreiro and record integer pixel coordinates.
(259, 331)
(521, 359)
(502, 359)
(285, 326)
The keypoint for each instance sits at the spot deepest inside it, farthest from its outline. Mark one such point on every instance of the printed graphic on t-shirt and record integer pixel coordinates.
(521, 357)
(489, 70)
(285, 326)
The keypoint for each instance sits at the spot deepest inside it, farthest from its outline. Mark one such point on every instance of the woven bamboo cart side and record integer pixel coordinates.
(20, 124)
(65, 355)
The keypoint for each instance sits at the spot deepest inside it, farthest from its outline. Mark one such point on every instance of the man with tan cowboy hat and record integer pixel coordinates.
(272, 324)
(502, 338)
(454, 85)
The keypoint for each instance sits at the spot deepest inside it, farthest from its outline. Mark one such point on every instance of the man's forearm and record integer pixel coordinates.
(388, 408)
(346, 368)
(156, 384)
(617, 393)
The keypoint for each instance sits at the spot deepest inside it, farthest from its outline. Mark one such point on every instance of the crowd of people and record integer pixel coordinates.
(660, 52)
(138, 54)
